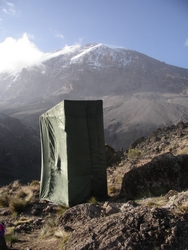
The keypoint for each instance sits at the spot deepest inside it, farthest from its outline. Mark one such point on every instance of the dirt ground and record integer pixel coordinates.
(33, 242)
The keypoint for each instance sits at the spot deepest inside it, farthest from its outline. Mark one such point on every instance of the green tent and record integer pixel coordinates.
(73, 165)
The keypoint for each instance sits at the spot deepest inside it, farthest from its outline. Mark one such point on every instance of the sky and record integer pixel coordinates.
(29, 29)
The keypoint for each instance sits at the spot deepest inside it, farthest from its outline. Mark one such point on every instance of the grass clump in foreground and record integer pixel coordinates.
(183, 208)
(48, 229)
(112, 189)
(93, 200)
(65, 239)
(10, 236)
(34, 183)
(4, 200)
(11, 239)
(17, 197)
(17, 206)
(23, 220)
(61, 209)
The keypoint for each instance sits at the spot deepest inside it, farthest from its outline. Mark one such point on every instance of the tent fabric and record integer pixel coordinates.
(73, 160)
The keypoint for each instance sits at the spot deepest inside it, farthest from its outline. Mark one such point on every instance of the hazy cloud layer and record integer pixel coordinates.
(186, 42)
(18, 53)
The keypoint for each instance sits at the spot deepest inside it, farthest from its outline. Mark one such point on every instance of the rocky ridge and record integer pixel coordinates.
(149, 221)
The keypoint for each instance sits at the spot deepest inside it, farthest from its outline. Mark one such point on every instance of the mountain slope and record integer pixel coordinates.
(19, 151)
(139, 92)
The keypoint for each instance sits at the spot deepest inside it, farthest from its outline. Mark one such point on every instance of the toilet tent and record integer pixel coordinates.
(73, 161)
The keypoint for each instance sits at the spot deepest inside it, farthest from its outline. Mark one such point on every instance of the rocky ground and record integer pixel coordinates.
(149, 213)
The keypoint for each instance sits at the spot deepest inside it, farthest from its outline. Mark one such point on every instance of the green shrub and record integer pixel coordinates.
(135, 153)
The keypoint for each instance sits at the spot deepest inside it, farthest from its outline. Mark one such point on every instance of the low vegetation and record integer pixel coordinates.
(93, 200)
(17, 206)
(65, 238)
(49, 228)
(10, 236)
(112, 189)
(135, 153)
(29, 220)
(17, 197)
(18, 200)
(4, 200)
(61, 209)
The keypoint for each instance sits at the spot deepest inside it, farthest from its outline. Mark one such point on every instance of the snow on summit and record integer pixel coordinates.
(97, 54)
(22, 53)
(86, 51)
(65, 50)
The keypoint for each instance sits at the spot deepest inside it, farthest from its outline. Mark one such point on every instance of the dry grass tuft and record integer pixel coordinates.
(61, 209)
(4, 200)
(112, 189)
(17, 206)
(93, 200)
(10, 235)
(21, 194)
(48, 229)
(65, 239)
(23, 220)
(35, 183)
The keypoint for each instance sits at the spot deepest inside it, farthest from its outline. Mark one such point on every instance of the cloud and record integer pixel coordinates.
(5, 11)
(18, 53)
(60, 36)
(186, 42)
(9, 9)
(10, 4)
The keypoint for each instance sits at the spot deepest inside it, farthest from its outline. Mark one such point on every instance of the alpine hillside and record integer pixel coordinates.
(139, 93)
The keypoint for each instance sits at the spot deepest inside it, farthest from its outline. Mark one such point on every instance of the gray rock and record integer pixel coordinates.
(138, 228)
(163, 173)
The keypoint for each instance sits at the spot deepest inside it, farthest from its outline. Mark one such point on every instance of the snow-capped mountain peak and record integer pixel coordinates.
(136, 89)
(64, 51)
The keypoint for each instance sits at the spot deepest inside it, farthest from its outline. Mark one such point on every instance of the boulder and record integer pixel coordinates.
(79, 215)
(165, 172)
(137, 228)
